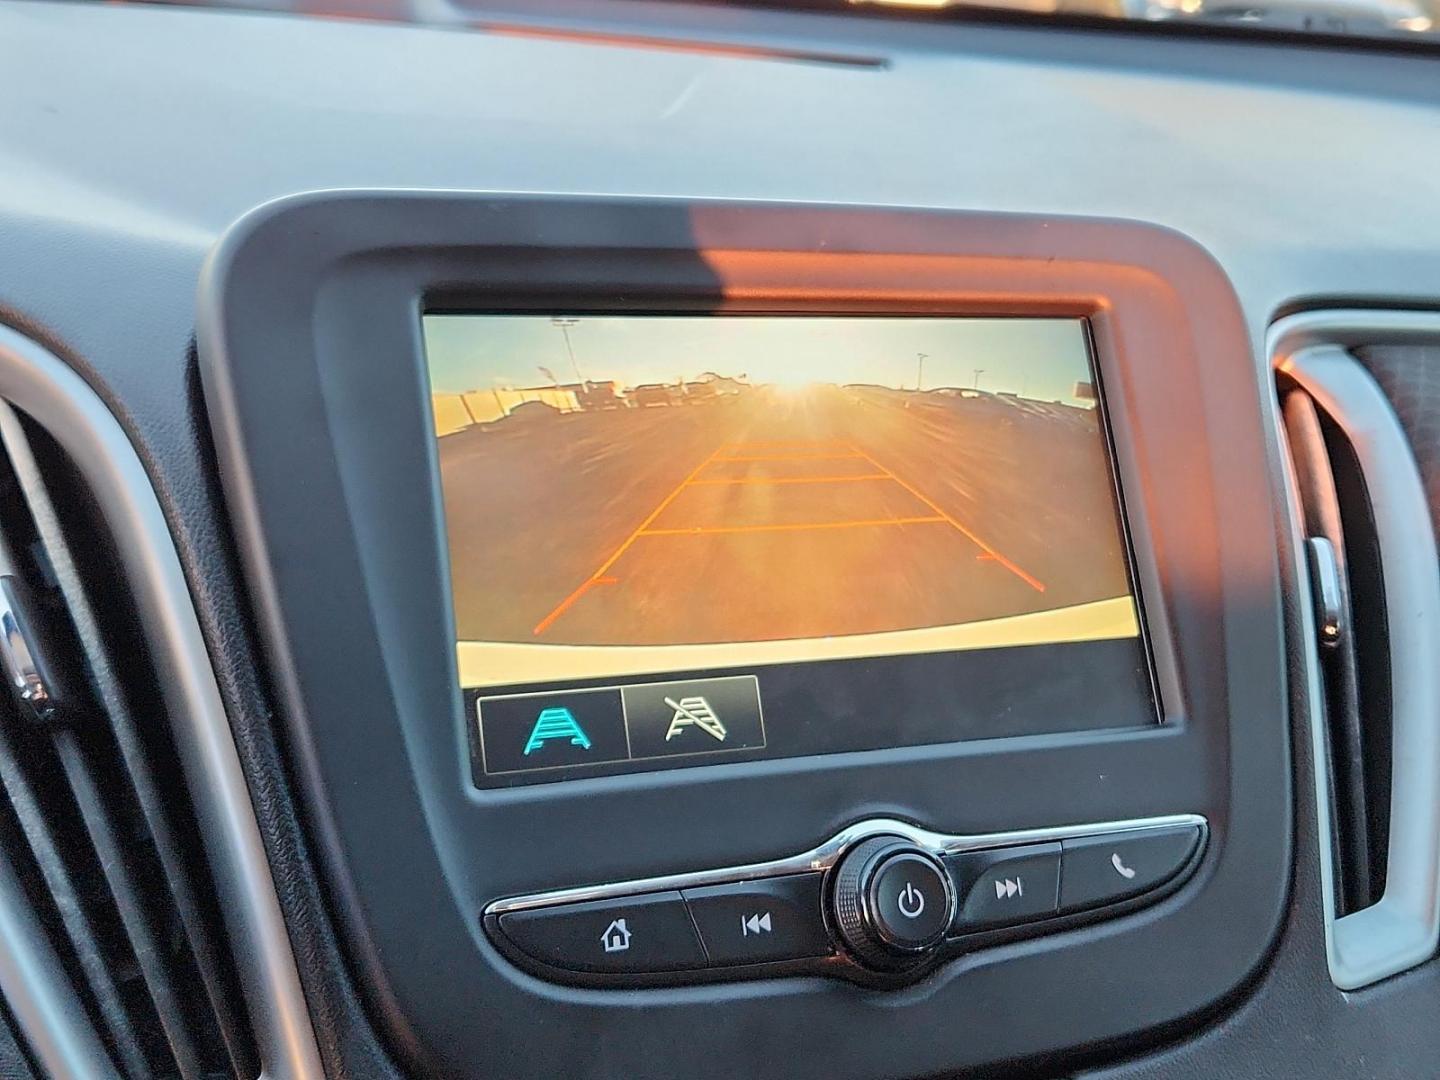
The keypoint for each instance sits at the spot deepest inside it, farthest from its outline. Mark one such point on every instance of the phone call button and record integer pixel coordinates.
(1116, 866)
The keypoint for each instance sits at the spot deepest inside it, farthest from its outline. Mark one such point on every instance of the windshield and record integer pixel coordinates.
(1395, 20)
(1369, 18)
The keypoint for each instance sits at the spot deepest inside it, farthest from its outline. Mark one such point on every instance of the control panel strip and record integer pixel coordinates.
(826, 855)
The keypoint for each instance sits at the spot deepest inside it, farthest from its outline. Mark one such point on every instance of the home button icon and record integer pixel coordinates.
(616, 937)
(634, 935)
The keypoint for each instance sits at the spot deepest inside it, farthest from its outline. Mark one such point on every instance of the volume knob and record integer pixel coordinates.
(892, 902)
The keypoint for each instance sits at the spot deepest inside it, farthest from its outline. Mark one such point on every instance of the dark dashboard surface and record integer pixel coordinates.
(145, 134)
(134, 137)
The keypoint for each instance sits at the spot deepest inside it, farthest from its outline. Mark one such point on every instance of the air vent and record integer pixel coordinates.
(97, 823)
(140, 934)
(1348, 590)
(1367, 550)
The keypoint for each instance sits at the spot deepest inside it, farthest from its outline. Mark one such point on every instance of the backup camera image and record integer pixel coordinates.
(638, 494)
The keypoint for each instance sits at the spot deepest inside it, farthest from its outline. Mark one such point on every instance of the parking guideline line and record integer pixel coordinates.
(1029, 579)
(791, 479)
(788, 457)
(705, 530)
(786, 444)
(569, 602)
(595, 578)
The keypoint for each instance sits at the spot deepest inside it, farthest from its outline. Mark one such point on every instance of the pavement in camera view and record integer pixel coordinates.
(776, 514)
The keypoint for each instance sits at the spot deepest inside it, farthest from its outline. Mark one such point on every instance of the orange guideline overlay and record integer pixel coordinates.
(598, 577)
(497, 663)
(850, 452)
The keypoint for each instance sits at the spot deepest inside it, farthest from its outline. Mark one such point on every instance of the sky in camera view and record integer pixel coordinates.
(1036, 358)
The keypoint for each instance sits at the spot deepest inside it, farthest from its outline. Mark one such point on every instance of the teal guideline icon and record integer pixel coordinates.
(556, 723)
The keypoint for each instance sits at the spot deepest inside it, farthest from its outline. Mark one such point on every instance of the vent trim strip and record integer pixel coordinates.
(1402, 929)
(36, 381)
(47, 1012)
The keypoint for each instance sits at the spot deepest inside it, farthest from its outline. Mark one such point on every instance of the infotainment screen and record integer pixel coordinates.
(685, 540)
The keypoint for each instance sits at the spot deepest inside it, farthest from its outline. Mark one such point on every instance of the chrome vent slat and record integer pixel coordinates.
(129, 895)
(40, 832)
(48, 1013)
(1320, 511)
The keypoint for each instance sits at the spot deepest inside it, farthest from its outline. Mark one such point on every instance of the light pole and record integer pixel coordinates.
(920, 370)
(978, 372)
(565, 324)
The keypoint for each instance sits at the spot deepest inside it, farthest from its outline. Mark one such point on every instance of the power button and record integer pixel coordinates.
(892, 902)
(910, 898)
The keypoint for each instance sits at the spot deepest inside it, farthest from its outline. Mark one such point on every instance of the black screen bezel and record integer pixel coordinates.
(308, 316)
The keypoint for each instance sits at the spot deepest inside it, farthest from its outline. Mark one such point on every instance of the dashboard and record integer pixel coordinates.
(734, 541)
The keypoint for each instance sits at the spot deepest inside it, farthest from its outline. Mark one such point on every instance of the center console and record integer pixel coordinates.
(850, 635)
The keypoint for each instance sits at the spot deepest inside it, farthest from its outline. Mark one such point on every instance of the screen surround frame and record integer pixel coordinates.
(308, 311)
(1142, 577)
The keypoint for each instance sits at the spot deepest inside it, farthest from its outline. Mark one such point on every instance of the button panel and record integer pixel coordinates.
(934, 895)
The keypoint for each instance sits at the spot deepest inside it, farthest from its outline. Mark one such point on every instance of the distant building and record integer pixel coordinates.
(650, 394)
(591, 394)
(488, 406)
(709, 384)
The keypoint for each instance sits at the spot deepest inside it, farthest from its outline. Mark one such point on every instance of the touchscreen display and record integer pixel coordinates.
(681, 540)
